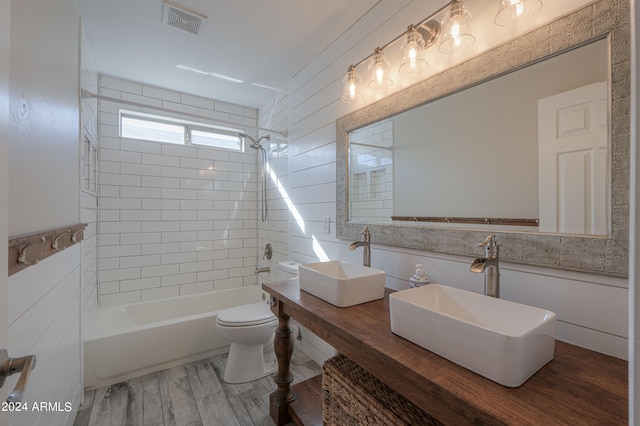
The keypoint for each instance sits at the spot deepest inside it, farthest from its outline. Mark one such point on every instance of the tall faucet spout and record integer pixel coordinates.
(366, 257)
(490, 266)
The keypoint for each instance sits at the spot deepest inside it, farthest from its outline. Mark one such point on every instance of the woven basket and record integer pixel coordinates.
(351, 396)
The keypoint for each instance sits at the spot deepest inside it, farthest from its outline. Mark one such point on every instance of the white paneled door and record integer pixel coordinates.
(572, 161)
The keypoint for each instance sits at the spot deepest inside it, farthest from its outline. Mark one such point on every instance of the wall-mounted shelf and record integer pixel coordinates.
(29, 249)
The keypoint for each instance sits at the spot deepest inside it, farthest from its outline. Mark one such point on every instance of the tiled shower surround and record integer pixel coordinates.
(371, 173)
(173, 219)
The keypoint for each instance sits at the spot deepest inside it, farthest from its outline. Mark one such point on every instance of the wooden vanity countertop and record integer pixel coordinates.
(578, 386)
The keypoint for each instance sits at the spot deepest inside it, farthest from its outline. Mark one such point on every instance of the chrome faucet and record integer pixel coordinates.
(366, 260)
(489, 265)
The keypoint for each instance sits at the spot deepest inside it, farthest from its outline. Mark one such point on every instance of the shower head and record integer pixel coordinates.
(255, 144)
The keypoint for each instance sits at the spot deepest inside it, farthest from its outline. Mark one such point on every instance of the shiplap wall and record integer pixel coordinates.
(592, 309)
(44, 299)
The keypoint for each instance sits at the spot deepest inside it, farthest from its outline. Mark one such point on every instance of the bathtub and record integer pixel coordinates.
(126, 341)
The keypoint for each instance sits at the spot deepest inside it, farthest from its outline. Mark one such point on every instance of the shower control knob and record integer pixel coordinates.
(268, 252)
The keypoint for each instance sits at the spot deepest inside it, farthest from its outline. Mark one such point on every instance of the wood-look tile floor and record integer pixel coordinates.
(193, 394)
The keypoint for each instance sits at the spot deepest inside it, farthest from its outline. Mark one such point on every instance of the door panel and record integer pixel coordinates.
(572, 161)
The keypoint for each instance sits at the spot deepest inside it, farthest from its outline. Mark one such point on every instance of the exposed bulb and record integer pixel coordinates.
(352, 90)
(352, 85)
(379, 74)
(379, 71)
(455, 31)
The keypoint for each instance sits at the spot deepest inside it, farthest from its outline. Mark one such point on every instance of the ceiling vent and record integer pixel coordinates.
(183, 19)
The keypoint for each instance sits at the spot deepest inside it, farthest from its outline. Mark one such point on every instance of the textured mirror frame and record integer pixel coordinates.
(607, 255)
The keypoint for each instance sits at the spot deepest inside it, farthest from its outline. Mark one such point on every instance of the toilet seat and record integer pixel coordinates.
(246, 315)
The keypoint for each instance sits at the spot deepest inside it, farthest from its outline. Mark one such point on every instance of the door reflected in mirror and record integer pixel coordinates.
(527, 151)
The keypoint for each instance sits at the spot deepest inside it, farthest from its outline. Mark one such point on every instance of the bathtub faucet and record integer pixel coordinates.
(262, 269)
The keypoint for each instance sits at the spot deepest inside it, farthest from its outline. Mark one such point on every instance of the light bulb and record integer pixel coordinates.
(352, 86)
(379, 71)
(352, 90)
(455, 31)
(379, 75)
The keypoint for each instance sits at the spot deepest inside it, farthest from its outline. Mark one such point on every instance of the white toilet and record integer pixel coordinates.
(251, 329)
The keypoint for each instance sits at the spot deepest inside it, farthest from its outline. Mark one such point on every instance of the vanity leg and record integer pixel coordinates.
(283, 346)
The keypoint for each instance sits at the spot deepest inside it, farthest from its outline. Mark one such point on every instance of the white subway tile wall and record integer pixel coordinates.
(371, 173)
(173, 219)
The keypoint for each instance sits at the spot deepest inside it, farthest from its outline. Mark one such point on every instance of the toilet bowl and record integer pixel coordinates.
(250, 329)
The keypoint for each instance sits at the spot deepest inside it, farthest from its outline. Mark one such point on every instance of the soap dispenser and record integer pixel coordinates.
(419, 279)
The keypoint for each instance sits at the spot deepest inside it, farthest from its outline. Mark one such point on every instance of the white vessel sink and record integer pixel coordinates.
(503, 341)
(342, 284)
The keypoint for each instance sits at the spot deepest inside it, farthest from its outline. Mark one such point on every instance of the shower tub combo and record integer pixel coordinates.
(127, 341)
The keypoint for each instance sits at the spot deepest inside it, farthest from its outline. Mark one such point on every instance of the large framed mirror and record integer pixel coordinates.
(439, 187)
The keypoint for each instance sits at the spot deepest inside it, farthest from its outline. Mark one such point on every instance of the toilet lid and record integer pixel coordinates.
(245, 315)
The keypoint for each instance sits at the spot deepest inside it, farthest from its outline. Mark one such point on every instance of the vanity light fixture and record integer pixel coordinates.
(413, 52)
(456, 29)
(417, 38)
(510, 11)
(352, 86)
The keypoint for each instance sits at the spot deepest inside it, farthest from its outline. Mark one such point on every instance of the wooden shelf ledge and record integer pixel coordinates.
(28, 249)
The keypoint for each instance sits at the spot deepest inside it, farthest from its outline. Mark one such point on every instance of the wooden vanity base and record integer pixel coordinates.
(578, 386)
(307, 409)
(283, 347)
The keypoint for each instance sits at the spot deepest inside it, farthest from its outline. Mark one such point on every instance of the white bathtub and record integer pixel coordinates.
(126, 341)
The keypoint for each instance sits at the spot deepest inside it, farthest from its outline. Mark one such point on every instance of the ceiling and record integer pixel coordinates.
(260, 43)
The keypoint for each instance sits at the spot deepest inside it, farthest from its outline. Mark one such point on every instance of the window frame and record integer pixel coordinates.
(188, 127)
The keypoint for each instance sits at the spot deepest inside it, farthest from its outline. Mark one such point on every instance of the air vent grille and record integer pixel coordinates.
(183, 19)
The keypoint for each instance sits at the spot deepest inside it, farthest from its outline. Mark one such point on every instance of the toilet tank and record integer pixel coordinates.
(288, 269)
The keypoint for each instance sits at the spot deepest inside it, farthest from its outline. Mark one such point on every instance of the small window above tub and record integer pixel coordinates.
(157, 128)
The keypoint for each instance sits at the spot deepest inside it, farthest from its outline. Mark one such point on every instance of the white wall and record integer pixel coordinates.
(173, 219)
(44, 300)
(592, 309)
